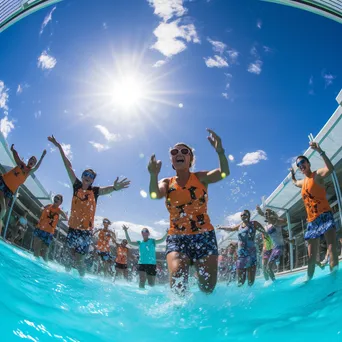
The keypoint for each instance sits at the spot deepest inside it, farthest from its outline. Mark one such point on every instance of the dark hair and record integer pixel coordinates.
(303, 157)
(146, 230)
(105, 219)
(91, 171)
(248, 212)
(60, 196)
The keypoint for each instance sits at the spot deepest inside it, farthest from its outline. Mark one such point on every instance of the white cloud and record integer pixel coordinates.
(253, 158)
(216, 62)
(291, 160)
(233, 219)
(159, 63)
(67, 150)
(99, 147)
(171, 37)
(225, 95)
(45, 61)
(163, 222)
(66, 185)
(47, 19)
(259, 24)
(38, 114)
(233, 55)
(6, 126)
(108, 136)
(328, 78)
(217, 45)
(267, 49)
(167, 9)
(255, 68)
(3, 96)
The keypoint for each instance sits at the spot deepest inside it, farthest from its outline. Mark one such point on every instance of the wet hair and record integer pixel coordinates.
(192, 155)
(303, 157)
(60, 196)
(91, 171)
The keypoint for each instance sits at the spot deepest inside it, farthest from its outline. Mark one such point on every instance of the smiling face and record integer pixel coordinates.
(32, 162)
(106, 224)
(181, 157)
(145, 234)
(245, 216)
(88, 177)
(304, 166)
(271, 216)
(57, 200)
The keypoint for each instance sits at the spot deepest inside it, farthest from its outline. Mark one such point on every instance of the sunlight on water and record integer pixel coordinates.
(41, 302)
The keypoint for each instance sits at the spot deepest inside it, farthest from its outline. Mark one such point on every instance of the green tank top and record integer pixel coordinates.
(268, 245)
(147, 251)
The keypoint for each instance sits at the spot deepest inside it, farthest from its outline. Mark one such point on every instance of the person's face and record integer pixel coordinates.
(57, 200)
(180, 157)
(145, 234)
(303, 166)
(88, 178)
(32, 162)
(106, 224)
(245, 216)
(124, 243)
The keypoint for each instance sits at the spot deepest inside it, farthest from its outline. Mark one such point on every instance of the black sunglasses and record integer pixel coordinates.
(299, 164)
(184, 151)
(88, 174)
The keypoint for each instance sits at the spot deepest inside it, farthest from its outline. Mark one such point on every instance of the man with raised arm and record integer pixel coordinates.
(83, 207)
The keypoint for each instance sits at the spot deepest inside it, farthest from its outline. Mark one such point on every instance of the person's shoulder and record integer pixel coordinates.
(77, 183)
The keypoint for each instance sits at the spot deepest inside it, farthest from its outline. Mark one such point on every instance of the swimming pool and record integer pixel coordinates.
(41, 302)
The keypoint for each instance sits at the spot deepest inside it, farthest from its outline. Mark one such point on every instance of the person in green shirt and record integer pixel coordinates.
(147, 256)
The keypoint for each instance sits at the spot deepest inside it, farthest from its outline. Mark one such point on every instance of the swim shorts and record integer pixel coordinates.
(150, 270)
(4, 188)
(277, 252)
(43, 235)
(266, 254)
(247, 257)
(320, 226)
(105, 256)
(80, 240)
(195, 247)
(121, 266)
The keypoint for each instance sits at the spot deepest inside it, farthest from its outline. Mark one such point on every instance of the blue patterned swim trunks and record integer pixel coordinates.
(320, 226)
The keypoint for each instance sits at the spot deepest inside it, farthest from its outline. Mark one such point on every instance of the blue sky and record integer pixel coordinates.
(262, 75)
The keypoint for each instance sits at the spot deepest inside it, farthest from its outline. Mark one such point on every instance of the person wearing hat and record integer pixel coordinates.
(46, 227)
(103, 246)
(147, 264)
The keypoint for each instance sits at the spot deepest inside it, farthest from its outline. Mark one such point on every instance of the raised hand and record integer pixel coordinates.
(124, 227)
(53, 140)
(215, 141)
(154, 165)
(123, 184)
(44, 153)
(315, 146)
(12, 148)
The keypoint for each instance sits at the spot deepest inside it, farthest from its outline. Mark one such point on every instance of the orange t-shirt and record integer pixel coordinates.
(188, 207)
(83, 207)
(103, 241)
(314, 197)
(121, 255)
(49, 219)
(16, 177)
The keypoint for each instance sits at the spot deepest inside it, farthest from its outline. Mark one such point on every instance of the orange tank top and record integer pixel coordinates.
(103, 241)
(121, 257)
(83, 207)
(16, 177)
(188, 207)
(49, 219)
(314, 197)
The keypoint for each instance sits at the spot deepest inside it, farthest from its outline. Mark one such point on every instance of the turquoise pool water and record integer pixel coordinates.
(41, 302)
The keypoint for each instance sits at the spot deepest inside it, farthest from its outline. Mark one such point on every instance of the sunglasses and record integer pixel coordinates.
(88, 174)
(57, 198)
(175, 151)
(299, 164)
(244, 215)
(106, 222)
(145, 232)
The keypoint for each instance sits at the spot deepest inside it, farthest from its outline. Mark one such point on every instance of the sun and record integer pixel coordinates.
(128, 92)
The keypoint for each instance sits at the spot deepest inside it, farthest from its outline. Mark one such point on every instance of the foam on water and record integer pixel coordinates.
(41, 302)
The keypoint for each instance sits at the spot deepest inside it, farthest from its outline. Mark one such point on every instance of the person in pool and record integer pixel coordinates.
(121, 260)
(46, 227)
(247, 252)
(274, 230)
(320, 219)
(191, 237)
(11, 180)
(83, 207)
(102, 248)
(147, 268)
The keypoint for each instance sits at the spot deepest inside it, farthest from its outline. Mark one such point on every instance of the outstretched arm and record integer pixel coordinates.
(229, 229)
(158, 241)
(39, 162)
(118, 185)
(125, 228)
(260, 228)
(297, 183)
(157, 189)
(66, 161)
(16, 157)
(329, 167)
(208, 177)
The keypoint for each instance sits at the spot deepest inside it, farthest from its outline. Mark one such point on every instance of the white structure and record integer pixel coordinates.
(12, 11)
(331, 9)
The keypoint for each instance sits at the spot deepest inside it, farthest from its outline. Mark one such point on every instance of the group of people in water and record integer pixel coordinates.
(191, 238)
